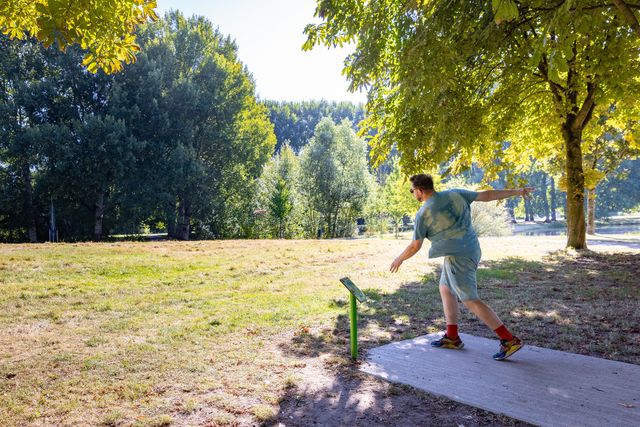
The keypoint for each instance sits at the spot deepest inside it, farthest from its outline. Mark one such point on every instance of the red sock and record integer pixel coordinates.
(452, 332)
(503, 333)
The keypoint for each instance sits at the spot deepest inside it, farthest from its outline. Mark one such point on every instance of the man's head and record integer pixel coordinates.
(421, 186)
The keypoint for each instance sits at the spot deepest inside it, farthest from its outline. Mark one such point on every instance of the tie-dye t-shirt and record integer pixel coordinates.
(445, 219)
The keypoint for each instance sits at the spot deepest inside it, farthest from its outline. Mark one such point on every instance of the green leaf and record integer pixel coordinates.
(504, 10)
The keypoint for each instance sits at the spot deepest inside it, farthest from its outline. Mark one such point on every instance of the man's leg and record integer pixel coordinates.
(509, 343)
(484, 312)
(449, 304)
(465, 285)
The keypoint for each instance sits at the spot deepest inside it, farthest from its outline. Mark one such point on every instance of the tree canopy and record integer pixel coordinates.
(173, 142)
(295, 122)
(104, 28)
(334, 178)
(451, 81)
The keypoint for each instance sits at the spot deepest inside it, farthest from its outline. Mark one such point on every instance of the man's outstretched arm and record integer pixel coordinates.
(491, 195)
(410, 251)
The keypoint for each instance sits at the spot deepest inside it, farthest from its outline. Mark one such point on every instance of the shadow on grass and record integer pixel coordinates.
(586, 304)
(609, 240)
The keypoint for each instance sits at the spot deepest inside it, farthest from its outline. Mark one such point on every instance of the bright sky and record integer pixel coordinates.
(269, 35)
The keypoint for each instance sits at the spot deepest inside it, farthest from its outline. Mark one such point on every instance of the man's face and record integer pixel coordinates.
(417, 193)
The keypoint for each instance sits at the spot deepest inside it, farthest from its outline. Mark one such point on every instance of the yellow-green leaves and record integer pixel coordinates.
(592, 178)
(461, 89)
(557, 65)
(632, 139)
(106, 28)
(504, 10)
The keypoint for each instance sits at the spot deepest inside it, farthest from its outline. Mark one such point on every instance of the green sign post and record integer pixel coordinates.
(354, 293)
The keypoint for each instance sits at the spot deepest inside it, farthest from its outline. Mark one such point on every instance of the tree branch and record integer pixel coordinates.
(592, 7)
(628, 15)
(556, 89)
(587, 106)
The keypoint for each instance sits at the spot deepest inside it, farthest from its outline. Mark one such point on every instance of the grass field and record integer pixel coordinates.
(246, 332)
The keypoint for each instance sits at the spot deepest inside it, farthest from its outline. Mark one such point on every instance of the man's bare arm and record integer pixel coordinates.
(491, 195)
(410, 251)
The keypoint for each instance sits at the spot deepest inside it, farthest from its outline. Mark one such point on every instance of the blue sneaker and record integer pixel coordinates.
(446, 342)
(507, 348)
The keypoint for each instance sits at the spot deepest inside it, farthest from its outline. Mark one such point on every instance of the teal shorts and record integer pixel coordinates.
(459, 275)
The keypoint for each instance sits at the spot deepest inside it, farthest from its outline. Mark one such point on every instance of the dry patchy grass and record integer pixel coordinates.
(230, 332)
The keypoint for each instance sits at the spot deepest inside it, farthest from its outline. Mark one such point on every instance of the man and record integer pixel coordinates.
(445, 219)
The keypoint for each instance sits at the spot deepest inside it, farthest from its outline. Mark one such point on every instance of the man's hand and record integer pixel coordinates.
(395, 265)
(410, 251)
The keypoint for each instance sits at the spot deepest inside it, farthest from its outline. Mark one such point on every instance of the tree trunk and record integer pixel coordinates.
(576, 236)
(170, 213)
(28, 205)
(327, 232)
(53, 230)
(98, 216)
(184, 221)
(532, 215)
(553, 200)
(528, 214)
(511, 210)
(591, 211)
(545, 199)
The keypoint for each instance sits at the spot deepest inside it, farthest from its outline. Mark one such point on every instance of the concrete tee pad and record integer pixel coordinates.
(536, 385)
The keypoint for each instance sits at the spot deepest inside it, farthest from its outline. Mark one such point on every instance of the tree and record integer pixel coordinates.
(374, 211)
(278, 192)
(25, 109)
(176, 140)
(192, 104)
(58, 143)
(538, 203)
(620, 190)
(397, 201)
(295, 122)
(334, 177)
(90, 166)
(448, 81)
(20, 156)
(105, 28)
(604, 155)
(281, 204)
(553, 196)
